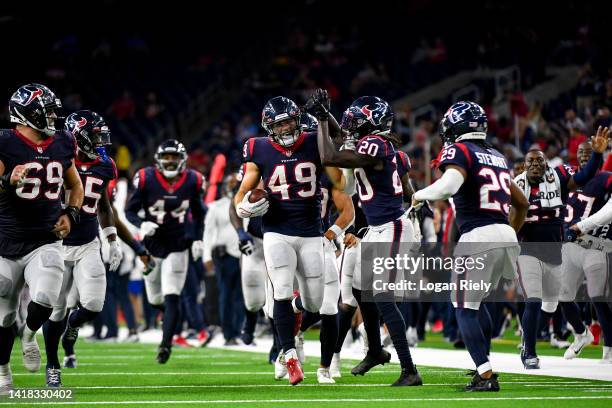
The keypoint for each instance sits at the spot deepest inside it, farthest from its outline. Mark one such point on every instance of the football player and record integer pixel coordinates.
(367, 124)
(83, 264)
(477, 178)
(166, 192)
(539, 266)
(590, 215)
(329, 310)
(350, 265)
(36, 162)
(288, 163)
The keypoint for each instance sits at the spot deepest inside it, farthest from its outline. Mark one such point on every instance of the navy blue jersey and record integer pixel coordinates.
(95, 176)
(545, 224)
(326, 201)
(292, 179)
(167, 205)
(589, 200)
(484, 196)
(29, 212)
(380, 186)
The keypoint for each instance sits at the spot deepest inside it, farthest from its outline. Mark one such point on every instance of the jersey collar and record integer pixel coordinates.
(41, 147)
(170, 188)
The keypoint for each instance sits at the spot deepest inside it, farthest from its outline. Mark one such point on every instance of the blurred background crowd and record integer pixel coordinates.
(543, 77)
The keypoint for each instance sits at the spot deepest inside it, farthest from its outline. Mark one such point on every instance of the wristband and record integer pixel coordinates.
(335, 229)
(109, 231)
(138, 248)
(72, 213)
(5, 182)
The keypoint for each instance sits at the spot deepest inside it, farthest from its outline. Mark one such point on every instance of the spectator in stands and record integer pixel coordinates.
(152, 107)
(221, 255)
(123, 107)
(572, 121)
(576, 137)
(552, 156)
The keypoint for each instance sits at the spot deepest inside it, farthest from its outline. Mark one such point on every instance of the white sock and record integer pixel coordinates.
(5, 369)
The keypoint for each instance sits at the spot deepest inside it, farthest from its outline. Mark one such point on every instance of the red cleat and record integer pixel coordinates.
(294, 369)
(204, 338)
(596, 330)
(437, 327)
(180, 342)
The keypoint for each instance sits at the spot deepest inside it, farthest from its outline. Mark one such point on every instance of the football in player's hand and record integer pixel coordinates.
(257, 195)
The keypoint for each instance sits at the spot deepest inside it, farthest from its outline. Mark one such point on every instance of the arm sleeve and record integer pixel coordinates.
(599, 219)
(209, 233)
(445, 187)
(589, 170)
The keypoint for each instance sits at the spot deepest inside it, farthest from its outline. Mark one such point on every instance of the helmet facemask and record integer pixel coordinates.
(171, 164)
(286, 131)
(94, 144)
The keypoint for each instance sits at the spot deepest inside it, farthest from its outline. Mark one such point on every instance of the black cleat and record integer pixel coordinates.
(483, 384)
(53, 376)
(370, 362)
(163, 354)
(247, 338)
(530, 362)
(408, 378)
(471, 373)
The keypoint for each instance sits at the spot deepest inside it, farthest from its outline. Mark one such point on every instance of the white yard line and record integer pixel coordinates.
(335, 400)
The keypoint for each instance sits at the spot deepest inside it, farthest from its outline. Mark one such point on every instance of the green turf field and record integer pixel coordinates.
(127, 374)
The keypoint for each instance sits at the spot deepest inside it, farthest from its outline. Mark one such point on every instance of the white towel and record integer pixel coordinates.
(550, 188)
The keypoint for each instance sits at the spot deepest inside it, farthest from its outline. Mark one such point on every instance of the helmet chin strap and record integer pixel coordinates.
(472, 136)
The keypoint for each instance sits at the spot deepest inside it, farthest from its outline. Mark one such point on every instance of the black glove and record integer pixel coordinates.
(318, 104)
(570, 235)
(73, 213)
(245, 242)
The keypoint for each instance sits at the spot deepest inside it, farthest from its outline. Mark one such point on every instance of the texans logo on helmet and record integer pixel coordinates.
(367, 112)
(80, 124)
(455, 112)
(374, 115)
(26, 96)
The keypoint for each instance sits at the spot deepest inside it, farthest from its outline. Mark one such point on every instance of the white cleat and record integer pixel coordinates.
(580, 341)
(31, 352)
(299, 346)
(324, 376)
(607, 355)
(364, 337)
(280, 370)
(335, 366)
(132, 338)
(558, 343)
(6, 379)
